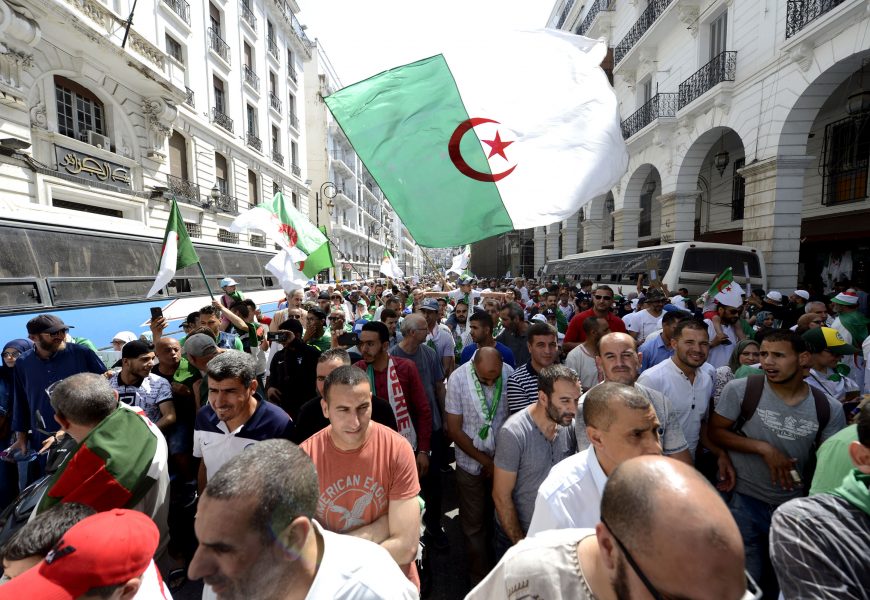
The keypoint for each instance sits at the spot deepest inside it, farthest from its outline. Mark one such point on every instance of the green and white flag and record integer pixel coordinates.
(515, 130)
(390, 268)
(459, 264)
(178, 251)
(725, 291)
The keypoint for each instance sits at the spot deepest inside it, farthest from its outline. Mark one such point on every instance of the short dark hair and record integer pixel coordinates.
(294, 325)
(344, 375)
(597, 410)
(798, 343)
(672, 316)
(585, 282)
(863, 421)
(590, 324)
(278, 476)
(378, 327)
(604, 287)
(462, 301)
(688, 324)
(388, 313)
(38, 537)
(232, 364)
(192, 318)
(84, 399)
(209, 310)
(538, 329)
(482, 317)
(251, 304)
(515, 311)
(548, 377)
(334, 354)
(242, 307)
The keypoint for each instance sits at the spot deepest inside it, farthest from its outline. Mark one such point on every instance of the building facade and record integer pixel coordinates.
(746, 122)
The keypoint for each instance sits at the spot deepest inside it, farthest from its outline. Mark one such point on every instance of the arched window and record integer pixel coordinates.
(78, 110)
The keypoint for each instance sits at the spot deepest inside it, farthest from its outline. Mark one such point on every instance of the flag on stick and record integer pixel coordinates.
(283, 267)
(460, 262)
(459, 131)
(389, 266)
(725, 291)
(178, 251)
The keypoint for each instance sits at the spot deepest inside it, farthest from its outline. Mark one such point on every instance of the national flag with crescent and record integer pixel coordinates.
(512, 131)
(725, 291)
(178, 251)
(389, 266)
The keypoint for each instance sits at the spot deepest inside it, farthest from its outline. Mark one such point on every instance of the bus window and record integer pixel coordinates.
(67, 256)
(714, 261)
(18, 294)
(18, 254)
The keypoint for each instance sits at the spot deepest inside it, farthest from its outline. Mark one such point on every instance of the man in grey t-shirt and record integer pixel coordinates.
(775, 446)
(528, 445)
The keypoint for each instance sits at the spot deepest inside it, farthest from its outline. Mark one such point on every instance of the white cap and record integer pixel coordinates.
(774, 295)
(125, 336)
(802, 294)
(543, 290)
(228, 281)
(539, 317)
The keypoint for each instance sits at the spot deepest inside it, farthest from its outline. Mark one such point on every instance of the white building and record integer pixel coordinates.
(746, 121)
(345, 197)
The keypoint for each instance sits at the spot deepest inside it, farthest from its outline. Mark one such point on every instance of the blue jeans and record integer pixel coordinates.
(753, 520)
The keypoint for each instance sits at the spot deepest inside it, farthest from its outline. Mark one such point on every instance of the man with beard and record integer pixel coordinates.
(514, 328)
(258, 537)
(722, 344)
(51, 360)
(138, 386)
(664, 533)
(686, 379)
(528, 445)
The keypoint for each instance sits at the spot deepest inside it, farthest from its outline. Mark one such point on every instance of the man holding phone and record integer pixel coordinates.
(292, 372)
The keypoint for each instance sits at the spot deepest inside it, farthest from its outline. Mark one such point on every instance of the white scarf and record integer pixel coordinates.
(396, 396)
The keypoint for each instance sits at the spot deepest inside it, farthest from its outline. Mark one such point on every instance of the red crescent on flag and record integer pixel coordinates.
(291, 234)
(722, 285)
(456, 155)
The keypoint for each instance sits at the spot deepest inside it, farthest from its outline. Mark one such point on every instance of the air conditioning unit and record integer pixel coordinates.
(99, 140)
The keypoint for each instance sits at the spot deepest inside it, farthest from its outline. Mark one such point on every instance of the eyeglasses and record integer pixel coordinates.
(597, 297)
(11, 354)
(58, 333)
(297, 317)
(336, 318)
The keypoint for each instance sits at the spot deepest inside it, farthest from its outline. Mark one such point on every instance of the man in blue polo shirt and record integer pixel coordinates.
(657, 348)
(234, 418)
(50, 361)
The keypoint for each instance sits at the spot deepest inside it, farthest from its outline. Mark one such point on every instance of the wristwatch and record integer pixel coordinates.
(428, 453)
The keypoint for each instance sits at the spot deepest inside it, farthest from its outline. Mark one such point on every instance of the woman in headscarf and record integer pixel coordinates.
(9, 483)
(743, 358)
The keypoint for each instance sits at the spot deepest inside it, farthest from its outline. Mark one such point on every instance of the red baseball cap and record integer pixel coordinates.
(108, 548)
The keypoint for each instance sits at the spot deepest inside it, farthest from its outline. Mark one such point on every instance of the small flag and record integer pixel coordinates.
(725, 291)
(511, 131)
(389, 266)
(178, 251)
(283, 267)
(460, 262)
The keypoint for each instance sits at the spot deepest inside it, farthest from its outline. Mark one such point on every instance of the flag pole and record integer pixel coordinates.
(431, 264)
(205, 279)
(341, 256)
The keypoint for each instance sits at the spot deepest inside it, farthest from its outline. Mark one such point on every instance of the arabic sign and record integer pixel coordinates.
(89, 167)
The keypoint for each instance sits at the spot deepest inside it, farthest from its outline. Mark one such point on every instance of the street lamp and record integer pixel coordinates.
(374, 229)
(328, 191)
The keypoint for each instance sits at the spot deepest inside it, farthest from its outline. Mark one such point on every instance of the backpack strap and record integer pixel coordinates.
(751, 398)
(823, 412)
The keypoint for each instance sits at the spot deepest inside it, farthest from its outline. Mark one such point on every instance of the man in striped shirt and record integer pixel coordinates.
(522, 386)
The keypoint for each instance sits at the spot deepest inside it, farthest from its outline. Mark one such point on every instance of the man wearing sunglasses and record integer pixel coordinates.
(52, 359)
(602, 305)
(664, 533)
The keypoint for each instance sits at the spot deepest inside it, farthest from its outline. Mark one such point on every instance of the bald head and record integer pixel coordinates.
(618, 358)
(487, 363)
(668, 516)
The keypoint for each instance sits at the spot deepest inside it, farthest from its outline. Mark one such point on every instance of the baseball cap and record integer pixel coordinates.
(108, 548)
(227, 281)
(135, 349)
(464, 281)
(199, 345)
(802, 294)
(774, 295)
(539, 317)
(429, 304)
(124, 336)
(844, 298)
(827, 338)
(46, 324)
(323, 296)
(549, 313)
(387, 293)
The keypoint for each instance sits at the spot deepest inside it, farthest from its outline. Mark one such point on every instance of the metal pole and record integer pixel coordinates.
(317, 208)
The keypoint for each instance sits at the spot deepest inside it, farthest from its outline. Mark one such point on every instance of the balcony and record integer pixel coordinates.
(273, 47)
(291, 73)
(180, 8)
(248, 15)
(228, 204)
(218, 45)
(258, 241)
(296, 170)
(277, 158)
(649, 16)
(274, 101)
(660, 105)
(799, 13)
(253, 141)
(189, 99)
(219, 118)
(194, 230)
(251, 78)
(183, 190)
(589, 19)
(227, 237)
(294, 121)
(721, 68)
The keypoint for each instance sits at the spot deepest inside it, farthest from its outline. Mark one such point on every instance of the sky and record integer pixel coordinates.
(364, 37)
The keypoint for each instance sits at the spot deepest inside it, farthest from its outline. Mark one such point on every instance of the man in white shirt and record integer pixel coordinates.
(722, 344)
(582, 358)
(644, 322)
(621, 424)
(686, 379)
(258, 538)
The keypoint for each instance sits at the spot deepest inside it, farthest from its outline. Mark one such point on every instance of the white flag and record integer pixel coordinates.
(390, 268)
(284, 267)
(460, 262)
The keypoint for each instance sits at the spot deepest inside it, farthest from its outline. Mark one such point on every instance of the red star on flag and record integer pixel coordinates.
(497, 146)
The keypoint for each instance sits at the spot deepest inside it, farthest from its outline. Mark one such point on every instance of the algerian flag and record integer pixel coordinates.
(389, 266)
(283, 267)
(460, 262)
(725, 291)
(512, 131)
(177, 253)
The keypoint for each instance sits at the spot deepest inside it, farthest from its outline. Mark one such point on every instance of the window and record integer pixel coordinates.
(273, 82)
(738, 191)
(644, 225)
(173, 49)
(295, 198)
(88, 208)
(252, 120)
(248, 53)
(291, 105)
(253, 189)
(219, 96)
(718, 32)
(276, 140)
(646, 88)
(78, 110)
(294, 153)
(221, 174)
(846, 159)
(178, 155)
(276, 188)
(214, 16)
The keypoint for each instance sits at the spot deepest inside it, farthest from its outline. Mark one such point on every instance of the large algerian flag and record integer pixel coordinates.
(178, 251)
(515, 130)
(389, 266)
(725, 291)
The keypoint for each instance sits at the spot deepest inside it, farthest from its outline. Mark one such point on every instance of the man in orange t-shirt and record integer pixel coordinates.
(367, 472)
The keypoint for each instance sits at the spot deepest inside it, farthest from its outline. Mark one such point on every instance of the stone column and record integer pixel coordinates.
(772, 215)
(540, 248)
(569, 236)
(592, 234)
(625, 228)
(678, 217)
(553, 242)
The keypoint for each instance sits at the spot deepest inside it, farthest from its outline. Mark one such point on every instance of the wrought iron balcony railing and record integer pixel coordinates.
(273, 47)
(590, 17)
(291, 73)
(565, 10)
(254, 142)
(251, 78)
(216, 43)
(277, 158)
(228, 237)
(194, 230)
(721, 68)
(227, 204)
(296, 169)
(180, 8)
(649, 16)
(258, 241)
(275, 101)
(219, 118)
(248, 15)
(189, 99)
(294, 121)
(186, 191)
(660, 105)
(801, 12)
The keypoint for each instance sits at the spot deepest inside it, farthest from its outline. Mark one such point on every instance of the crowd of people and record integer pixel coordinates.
(600, 445)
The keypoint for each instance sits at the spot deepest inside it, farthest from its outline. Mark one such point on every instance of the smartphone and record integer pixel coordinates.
(276, 336)
(156, 313)
(348, 339)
